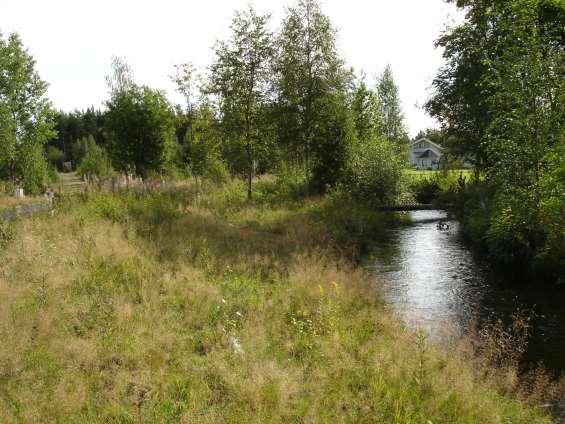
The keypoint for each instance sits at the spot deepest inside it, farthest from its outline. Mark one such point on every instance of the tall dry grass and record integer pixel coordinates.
(191, 305)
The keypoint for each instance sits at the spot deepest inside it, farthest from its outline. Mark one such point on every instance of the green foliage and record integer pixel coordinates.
(77, 125)
(55, 156)
(204, 153)
(353, 224)
(374, 171)
(140, 125)
(426, 190)
(291, 182)
(330, 143)
(311, 81)
(552, 213)
(186, 79)
(240, 77)
(216, 170)
(366, 111)
(501, 98)
(391, 111)
(25, 117)
(95, 165)
(81, 147)
(33, 168)
(437, 186)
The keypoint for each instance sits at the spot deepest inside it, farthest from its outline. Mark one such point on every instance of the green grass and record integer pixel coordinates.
(415, 174)
(192, 305)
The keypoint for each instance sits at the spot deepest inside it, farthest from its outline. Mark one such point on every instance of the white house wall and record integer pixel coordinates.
(419, 147)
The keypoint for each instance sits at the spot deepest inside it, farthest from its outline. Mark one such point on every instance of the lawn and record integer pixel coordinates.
(415, 174)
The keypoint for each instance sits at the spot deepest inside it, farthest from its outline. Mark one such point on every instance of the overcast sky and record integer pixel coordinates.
(73, 41)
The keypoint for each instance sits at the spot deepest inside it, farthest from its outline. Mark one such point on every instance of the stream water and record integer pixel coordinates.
(433, 281)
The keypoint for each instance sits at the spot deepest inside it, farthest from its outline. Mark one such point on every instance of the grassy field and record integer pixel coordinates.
(193, 306)
(415, 174)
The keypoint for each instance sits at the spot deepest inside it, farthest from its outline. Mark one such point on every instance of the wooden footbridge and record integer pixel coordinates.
(413, 207)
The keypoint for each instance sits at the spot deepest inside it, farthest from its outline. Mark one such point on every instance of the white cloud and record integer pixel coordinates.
(73, 41)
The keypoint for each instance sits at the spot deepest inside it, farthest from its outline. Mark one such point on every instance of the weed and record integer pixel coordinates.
(193, 305)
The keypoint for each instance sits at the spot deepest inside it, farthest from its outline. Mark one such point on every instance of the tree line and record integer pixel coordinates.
(270, 98)
(500, 99)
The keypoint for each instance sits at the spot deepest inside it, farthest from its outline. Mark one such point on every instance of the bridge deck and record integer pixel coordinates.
(412, 207)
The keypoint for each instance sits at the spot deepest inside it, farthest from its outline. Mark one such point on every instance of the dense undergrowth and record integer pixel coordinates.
(193, 305)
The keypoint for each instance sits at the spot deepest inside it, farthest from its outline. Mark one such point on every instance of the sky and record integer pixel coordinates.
(73, 41)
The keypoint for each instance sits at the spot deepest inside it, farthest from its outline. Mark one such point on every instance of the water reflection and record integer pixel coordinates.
(432, 280)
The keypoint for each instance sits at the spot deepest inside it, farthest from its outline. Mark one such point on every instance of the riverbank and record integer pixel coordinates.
(433, 279)
(521, 236)
(193, 305)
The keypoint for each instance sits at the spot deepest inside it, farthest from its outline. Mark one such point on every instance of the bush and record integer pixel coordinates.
(429, 187)
(56, 157)
(216, 170)
(426, 190)
(289, 185)
(81, 147)
(523, 228)
(95, 165)
(374, 171)
(552, 214)
(33, 168)
(330, 146)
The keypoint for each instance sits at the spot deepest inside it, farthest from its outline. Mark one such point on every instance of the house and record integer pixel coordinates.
(425, 154)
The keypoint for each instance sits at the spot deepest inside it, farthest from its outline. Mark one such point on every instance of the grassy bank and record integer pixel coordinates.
(7, 202)
(192, 305)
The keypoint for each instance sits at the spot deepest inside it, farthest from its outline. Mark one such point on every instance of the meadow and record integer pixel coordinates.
(193, 305)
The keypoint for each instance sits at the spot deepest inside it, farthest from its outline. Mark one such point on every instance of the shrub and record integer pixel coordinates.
(95, 165)
(33, 169)
(81, 147)
(55, 156)
(426, 190)
(216, 170)
(374, 171)
(330, 145)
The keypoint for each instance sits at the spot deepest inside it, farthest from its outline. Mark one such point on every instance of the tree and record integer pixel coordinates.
(121, 79)
(81, 147)
(391, 111)
(311, 79)
(26, 118)
(95, 165)
(140, 125)
(366, 111)
(185, 79)
(206, 152)
(240, 78)
(501, 97)
(501, 91)
(55, 157)
(76, 125)
(374, 171)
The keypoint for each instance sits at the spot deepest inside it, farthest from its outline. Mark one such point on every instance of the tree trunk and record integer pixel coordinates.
(249, 187)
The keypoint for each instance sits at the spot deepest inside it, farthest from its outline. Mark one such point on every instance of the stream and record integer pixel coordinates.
(432, 280)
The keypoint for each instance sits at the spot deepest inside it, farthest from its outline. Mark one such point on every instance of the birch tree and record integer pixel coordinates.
(240, 78)
(26, 117)
(311, 84)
